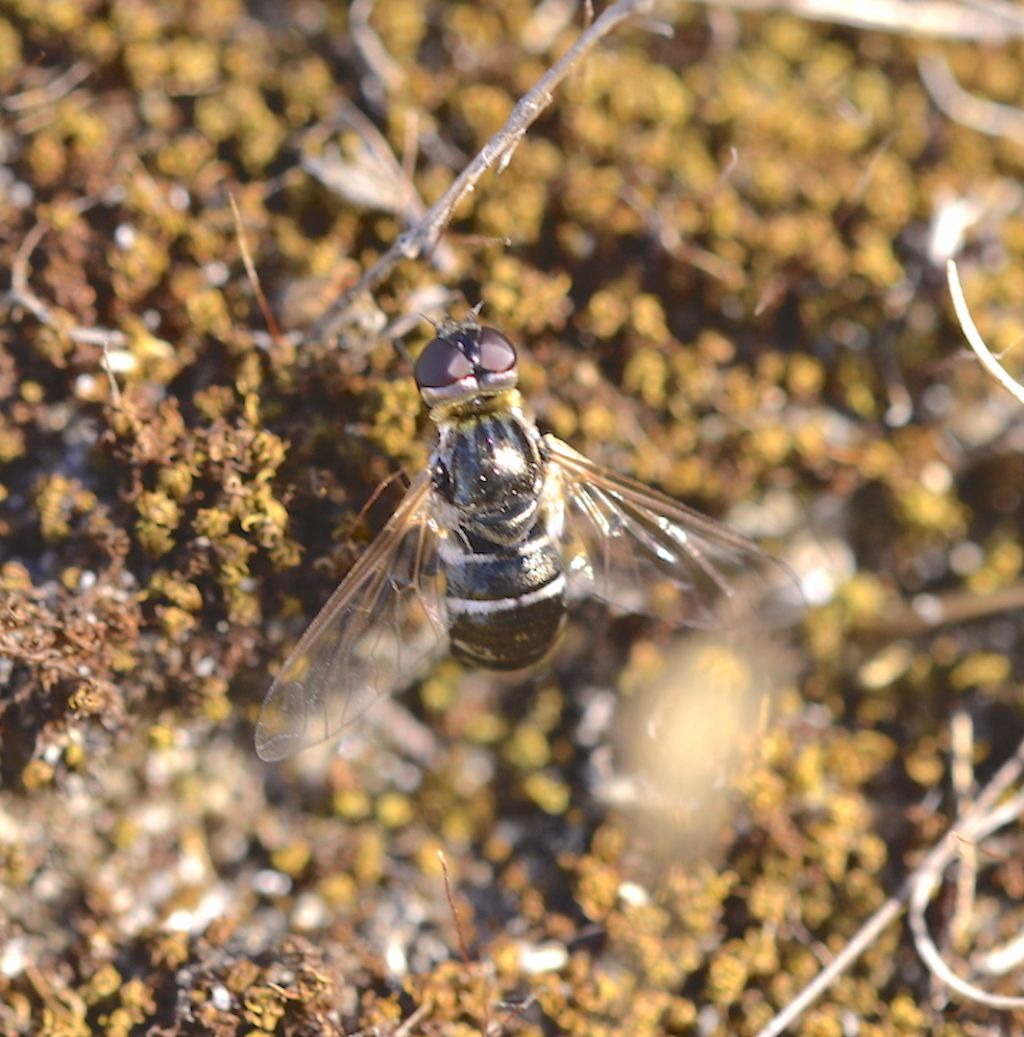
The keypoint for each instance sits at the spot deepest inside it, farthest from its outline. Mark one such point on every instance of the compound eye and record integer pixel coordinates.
(497, 354)
(441, 364)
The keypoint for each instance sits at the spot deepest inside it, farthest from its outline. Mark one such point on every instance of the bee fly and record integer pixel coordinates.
(490, 545)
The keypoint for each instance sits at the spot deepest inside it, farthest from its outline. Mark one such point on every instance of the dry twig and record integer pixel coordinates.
(926, 881)
(378, 181)
(498, 151)
(987, 21)
(976, 113)
(386, 71)
(250, 270)
(413, 1021)
(928, 612)
(974, 339)
(450, 897)
(58, 87)
(982, 818)
(20, 294)
(962, 745)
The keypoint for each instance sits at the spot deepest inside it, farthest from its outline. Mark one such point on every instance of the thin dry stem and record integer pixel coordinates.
(981, 818)
(1001, 958)
(115, 389)
(926, 881)
(463, 950)
(58, 87)
(21, 294)
(250, 269)
(498, 151)
(401, 173)
(974, 339)
(976, 113)
(413, 1021)
(929, 611)
(962, 744)
(939, 19)
(382, 65)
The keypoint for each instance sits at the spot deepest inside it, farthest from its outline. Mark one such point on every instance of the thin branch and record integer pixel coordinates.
(667, 236)
(938, 19)
(1000, 959)
(927, 612)
(250, 270)
(512, 1012)
(450, 897)
(392, 185)
(962, 745)
(386, 71)
(973, 825)
(925, 884)
(974, 339)
(463, 949)
(58, 87)
(108, 367)
(413, 1021)
(21, 294)
(976, 113)
(497, 152)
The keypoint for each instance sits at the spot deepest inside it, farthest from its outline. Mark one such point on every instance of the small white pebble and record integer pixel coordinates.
(936, 477)
(634, 894)
(310, 912)
(542, 957)
(125, 236)
(205, 666)
(121, 361)
(179, 921)
(394, 957)
(270, 883)
(221, 998)
(708, 1020)
(966, 558)
(191, 868)
(929, 608)
(13, 958)
(217, 273)
(21, 195)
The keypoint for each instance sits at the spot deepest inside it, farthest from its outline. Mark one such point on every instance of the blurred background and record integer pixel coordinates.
(721, 251)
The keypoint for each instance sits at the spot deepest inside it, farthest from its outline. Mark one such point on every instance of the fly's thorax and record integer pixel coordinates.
(488, 467)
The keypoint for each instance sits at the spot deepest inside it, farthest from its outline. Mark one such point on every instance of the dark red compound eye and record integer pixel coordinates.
(441, 364)
(497, 354)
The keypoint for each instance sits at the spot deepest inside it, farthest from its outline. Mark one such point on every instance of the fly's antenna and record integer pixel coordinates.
(449, 325)
(470, 320)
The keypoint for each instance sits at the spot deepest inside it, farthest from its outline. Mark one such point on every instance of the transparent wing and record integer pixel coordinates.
(377, 630)
(641, 551)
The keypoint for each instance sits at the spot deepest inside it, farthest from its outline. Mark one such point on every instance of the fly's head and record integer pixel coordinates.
(464, 364)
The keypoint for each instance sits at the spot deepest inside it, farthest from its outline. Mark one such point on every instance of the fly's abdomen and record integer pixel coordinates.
(506, 605)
